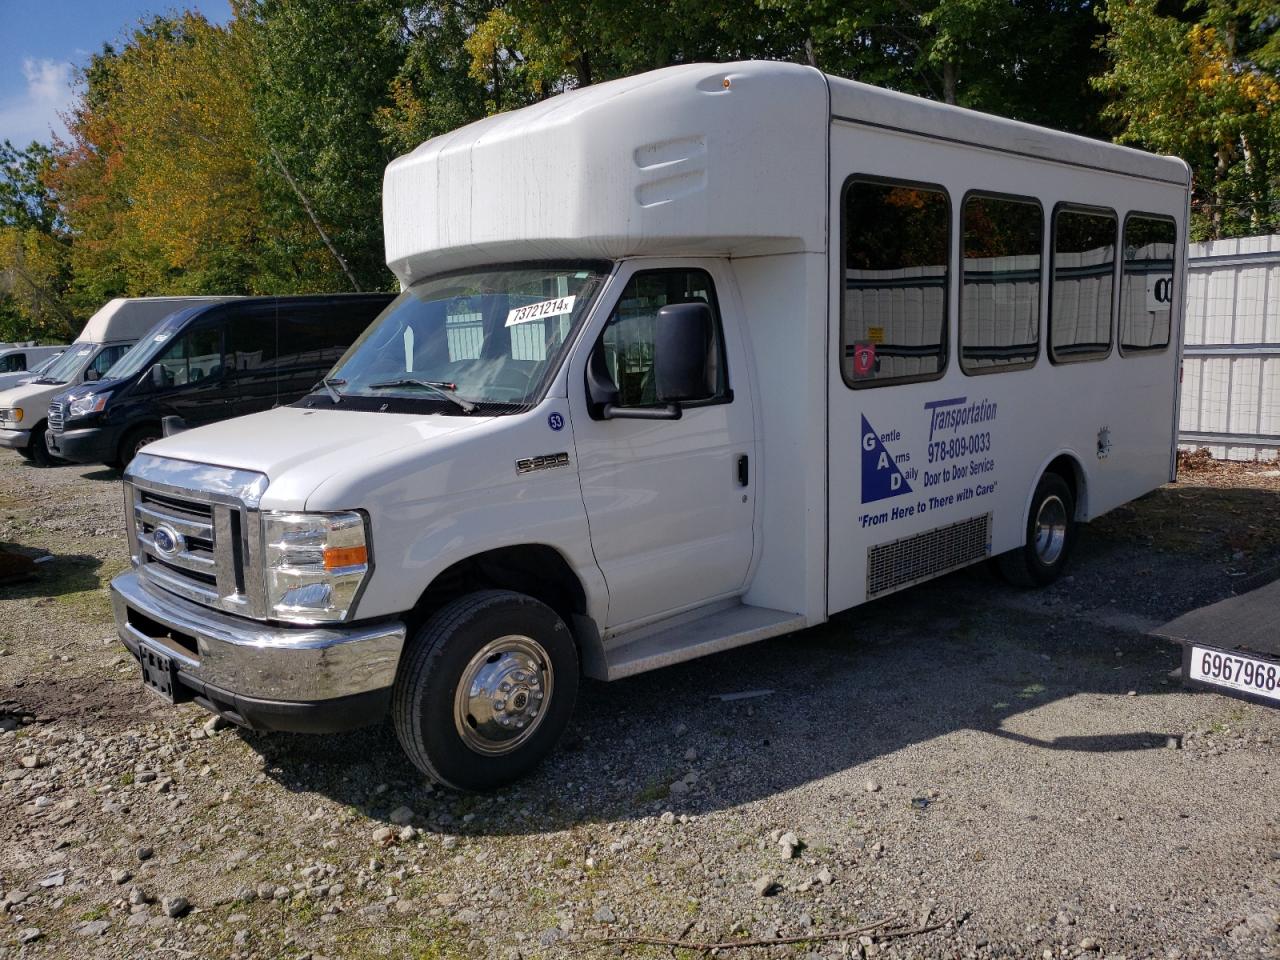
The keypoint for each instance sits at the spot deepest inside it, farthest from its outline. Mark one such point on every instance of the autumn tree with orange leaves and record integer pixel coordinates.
(157, 181)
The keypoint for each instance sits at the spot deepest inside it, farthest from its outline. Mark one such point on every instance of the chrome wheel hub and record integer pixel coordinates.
(1051, 530)
(503, 694)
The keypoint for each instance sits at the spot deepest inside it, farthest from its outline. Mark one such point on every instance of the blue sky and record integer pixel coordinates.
(43, 41)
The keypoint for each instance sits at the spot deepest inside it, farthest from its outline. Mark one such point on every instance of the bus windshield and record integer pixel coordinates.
(492, 336)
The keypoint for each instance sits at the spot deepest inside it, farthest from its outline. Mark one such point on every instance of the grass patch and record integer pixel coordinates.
(654, 790)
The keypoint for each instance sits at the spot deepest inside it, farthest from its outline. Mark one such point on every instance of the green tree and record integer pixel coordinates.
(34, 252)
(435, 89)
(1202, 85)
(323, 73)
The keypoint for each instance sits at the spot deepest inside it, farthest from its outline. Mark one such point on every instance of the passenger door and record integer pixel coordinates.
(106, 359)
(670, 502)
(251, 349)
(195, 385)
(312, 338)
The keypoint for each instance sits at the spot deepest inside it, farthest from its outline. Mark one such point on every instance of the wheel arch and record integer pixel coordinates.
(127, 434)
(1066, 464)
(535, 569)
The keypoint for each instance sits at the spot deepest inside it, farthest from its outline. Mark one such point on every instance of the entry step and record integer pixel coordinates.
(687, 637)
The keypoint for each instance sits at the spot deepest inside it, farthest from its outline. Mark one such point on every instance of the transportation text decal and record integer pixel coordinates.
(950, 462)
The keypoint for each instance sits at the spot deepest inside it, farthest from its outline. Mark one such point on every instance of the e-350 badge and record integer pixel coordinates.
(547, 461)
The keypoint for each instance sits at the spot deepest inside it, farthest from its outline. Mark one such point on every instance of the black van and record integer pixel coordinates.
(208, 363)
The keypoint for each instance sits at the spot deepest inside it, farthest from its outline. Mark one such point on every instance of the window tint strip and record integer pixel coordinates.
(896, 263)
(1147, 287)
(1081, 302)
(1002, 241)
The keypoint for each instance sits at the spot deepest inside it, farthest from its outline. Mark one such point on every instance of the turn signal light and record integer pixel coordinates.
(337, 557)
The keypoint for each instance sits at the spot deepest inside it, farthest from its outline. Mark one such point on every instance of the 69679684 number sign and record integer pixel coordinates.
(1216, 668)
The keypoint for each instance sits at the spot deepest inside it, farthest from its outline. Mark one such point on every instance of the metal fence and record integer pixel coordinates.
(1231, 354)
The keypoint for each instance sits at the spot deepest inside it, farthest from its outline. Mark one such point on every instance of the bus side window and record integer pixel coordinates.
(1000, 265)
(893, 325)
(1084, 266)
(1146, 286)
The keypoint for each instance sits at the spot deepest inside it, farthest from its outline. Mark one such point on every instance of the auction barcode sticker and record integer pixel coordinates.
(536, 311)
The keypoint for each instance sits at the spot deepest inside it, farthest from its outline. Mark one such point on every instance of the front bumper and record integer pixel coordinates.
(305, 679)
(15, 439)
(90, 445)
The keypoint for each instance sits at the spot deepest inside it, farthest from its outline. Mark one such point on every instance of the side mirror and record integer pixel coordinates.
(91, 375)
(682, 340)
(157, 376)
(602, 396)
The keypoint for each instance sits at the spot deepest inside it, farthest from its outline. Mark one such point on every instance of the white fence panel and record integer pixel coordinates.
(1231, 354)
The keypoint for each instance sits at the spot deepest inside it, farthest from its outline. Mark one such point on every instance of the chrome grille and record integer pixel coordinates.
(194, 531)
(922, 556)
(56, 416)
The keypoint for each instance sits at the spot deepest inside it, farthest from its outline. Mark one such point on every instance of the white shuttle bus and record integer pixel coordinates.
(681, 362)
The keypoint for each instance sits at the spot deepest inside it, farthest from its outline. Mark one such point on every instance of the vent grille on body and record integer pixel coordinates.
(921, 556)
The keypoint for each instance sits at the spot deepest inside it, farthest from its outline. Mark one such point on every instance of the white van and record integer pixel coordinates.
(105, 339)
(682, 361)
(33, 366)
(22, 357)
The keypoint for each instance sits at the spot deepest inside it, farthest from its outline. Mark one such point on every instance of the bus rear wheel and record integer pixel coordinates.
(1051, 535)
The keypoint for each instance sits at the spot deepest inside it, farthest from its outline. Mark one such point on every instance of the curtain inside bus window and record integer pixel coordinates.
(1084, 259)
(1000, 283)
(1146, 292)
(894, 326)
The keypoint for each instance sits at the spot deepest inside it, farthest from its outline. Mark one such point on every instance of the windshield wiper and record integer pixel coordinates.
(442, 387)
(331, 385)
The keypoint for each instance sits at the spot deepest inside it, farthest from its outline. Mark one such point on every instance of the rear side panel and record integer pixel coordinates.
(931, 475)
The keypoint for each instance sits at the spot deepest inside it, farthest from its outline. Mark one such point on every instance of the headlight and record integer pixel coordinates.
(11, 413)
(83, 406)
(315, 564)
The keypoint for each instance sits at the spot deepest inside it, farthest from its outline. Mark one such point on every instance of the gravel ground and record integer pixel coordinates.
(1016, 770)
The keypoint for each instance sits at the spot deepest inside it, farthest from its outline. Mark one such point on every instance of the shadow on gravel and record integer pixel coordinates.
(1102, 743)
(64, 574)
(965, 653)
(103, 473)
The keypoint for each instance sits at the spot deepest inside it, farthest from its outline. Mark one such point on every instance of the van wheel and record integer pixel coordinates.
(485, 689)
(37, 450)
(1051, 535)
(133, 441)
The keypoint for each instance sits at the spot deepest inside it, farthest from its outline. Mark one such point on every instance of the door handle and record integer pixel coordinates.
(744, 474)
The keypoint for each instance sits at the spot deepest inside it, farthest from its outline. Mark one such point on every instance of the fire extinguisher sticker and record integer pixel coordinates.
(864, 359)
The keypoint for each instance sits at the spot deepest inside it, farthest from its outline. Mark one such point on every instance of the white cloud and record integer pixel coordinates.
(33, 115)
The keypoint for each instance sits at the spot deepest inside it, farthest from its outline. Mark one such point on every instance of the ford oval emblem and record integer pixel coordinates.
(169, 542)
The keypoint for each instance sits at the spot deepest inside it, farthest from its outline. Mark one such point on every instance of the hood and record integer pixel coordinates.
(67, 394)
(29, 396)
(298, 449)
